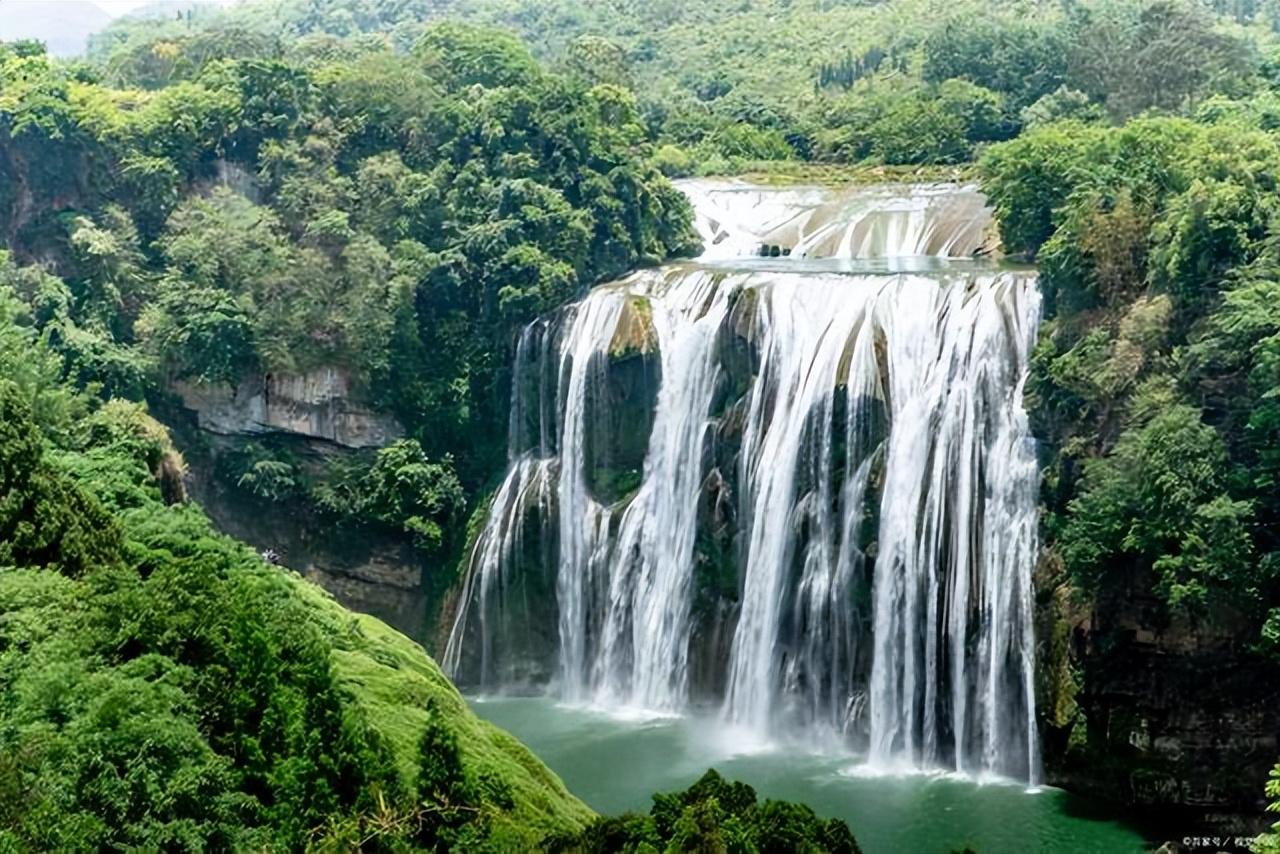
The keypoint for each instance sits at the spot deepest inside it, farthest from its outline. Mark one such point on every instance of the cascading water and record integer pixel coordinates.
(645, 649)
(806, 492)
(737, 219)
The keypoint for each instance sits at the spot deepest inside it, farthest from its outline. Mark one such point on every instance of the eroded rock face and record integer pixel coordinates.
(718, 550)
(620, 419)
(316, 404)
(311, 420)
(365, 570)
(1169, 717)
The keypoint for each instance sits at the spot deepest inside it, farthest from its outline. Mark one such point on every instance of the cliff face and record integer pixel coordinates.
(367, 570)
(1171, 718)
(317, 404)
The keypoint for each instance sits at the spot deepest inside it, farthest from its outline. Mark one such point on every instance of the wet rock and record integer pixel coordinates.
(635, 333)
(622, 406)
(511, 642)
(716, 585)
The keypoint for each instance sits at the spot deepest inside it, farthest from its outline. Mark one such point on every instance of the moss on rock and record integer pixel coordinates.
(635, 334)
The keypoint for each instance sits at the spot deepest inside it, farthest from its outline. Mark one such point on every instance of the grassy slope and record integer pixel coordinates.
(392, 678)
(389, 676)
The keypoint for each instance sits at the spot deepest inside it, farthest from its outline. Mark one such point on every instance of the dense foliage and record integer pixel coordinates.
(1269, 843)
(165, 689)
(1154, 380)
(397, 214)
(393, 215)
(286, 186)
(722, 83)
(299, 184)
(1153, 375)
(716, 815)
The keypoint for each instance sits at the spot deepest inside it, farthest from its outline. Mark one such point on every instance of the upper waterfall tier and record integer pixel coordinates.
(737, 220)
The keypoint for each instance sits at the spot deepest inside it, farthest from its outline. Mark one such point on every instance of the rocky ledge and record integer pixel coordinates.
(316, 404)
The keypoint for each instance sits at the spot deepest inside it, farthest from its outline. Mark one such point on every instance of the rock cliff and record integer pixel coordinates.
(1174, 719)
(317, 404)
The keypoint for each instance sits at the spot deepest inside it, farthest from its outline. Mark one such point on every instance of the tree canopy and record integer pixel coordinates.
(733, 84)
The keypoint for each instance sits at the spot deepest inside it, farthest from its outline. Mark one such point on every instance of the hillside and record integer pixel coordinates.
(726, 86)
(318, 238)
(168, 688)
(397, 685)
(349, 247)
(326, 262)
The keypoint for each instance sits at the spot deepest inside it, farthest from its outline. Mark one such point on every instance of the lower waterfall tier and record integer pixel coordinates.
(808, 499)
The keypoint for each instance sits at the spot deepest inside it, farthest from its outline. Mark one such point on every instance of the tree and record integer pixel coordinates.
(1062, 104)
(1030, 178)
(1269, 843)
(718, 815)
(403, 489)
(1160, 55)
(596, 60)
(200, 333)
(1161, 499)
(45, 520)
(113, 283)
(464, 56)
(1210, 228)
(1022, 59)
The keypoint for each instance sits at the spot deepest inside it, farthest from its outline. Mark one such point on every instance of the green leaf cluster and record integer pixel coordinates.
(1152, 379)
(715, 814)
(164, 689)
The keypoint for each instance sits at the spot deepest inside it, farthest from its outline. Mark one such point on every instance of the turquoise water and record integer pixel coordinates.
(614, 762)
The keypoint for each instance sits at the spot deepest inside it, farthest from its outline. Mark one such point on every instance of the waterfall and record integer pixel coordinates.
(804, 494)
(644, 659)
(957, 538)
(736, 219)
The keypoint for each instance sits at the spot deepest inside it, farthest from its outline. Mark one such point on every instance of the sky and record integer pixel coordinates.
(116, 8)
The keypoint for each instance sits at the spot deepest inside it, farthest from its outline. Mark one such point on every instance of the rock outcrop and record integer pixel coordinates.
(315, 414)
(317, 404)
(1170, 718)
(366, 571)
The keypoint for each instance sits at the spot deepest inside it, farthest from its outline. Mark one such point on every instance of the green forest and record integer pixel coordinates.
(212, 197)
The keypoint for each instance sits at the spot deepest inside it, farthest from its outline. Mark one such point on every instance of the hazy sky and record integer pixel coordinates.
(120, 7)
(113, 8)
(65, 25)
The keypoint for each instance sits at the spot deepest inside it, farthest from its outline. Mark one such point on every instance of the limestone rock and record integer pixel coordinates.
(316, 404)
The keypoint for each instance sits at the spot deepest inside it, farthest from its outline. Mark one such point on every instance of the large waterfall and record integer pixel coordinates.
(798, 490)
